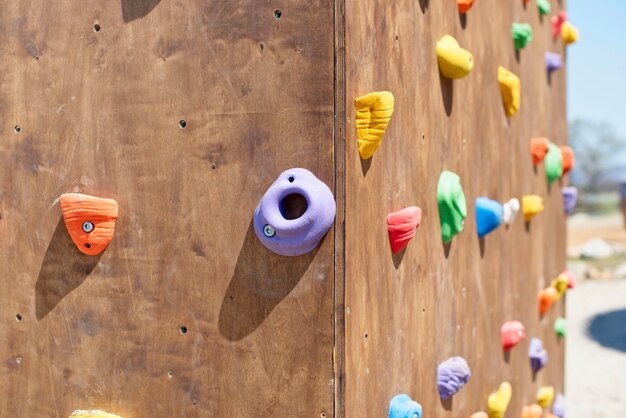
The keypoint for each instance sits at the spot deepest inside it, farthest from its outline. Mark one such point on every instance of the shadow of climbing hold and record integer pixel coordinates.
(452, 374)
(402, 406)
(567, 155)
(402, 226)
(553, 163)
(570, 197)
(544, 7)
(569, 33)
(546, 299)
(498, 401)
(298, 233)
(510, 210)
(373, 113)
(560, 327)
(465, 5)
(558, 407)
(553, 62)
(454, 61)
(522, 34)
(489, 214)
(452, 205)
(545, 396)
(532, 411)
(511, 334)
(89, 220)
(510, 88)
(531, 206)
(557, 24)
(560, 284)
(608, 329)
(135, 9)
(92, 414)
(539, 149)
(537, 354)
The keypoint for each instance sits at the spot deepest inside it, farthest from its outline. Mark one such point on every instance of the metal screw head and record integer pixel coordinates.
(268, 231)
(88, 226)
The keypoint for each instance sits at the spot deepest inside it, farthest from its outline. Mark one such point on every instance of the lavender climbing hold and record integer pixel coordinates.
(558, 407)
(452, 374)
(570, 197)
(489, 214)
(402, 406)
(553, 61)
(537, 354)
(290, 235)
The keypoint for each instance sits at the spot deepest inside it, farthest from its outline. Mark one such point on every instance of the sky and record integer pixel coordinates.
(596, 64)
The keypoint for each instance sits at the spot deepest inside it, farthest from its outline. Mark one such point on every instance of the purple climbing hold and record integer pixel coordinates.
(294, 234)
(452, 374)
(538, 356)
(553, 61)
(558, 407)
(570, 196)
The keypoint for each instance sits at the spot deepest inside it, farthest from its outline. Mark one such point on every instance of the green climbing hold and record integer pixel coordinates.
(522, 34)
(452, 205)
(560, 327)
(553, 163)
(543, 6)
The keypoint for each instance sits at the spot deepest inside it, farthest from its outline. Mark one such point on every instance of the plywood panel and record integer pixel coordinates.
(99, 113)
(406, 314)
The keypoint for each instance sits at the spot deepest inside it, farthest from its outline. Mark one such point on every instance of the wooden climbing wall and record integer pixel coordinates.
(98, 112)
(405, 315)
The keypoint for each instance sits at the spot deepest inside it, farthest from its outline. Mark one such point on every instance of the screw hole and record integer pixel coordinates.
(261, 47)
(365, 336)
(88, 245)
(423, 309)
(18, 318)
(291, 179)
(19, 360)
(182, 124)
(323, 414)
(96, 28)
(183, 330)
(277, 14)
(170, 374)
(17, 129)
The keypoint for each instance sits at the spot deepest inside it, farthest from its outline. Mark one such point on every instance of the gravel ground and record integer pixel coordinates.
(596, 350)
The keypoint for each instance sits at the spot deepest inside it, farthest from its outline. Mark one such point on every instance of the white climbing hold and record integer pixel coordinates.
(510, 209)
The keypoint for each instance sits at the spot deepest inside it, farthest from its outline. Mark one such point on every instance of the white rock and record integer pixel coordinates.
(597, 248)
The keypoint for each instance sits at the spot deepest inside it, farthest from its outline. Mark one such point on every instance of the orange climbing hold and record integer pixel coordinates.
(90, 221)
(479, 415)
(532, 411)
(568, 158)
(546, 298)
(539, 149)
(465, 5)
(402, 225)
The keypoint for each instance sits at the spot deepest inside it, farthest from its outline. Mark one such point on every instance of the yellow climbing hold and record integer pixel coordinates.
(510, 87)
(531, 206)
(499, 401)
(560, 284)
(545, 396)
(454, 61)
(569, 33)
(373, 112)
(92, 414)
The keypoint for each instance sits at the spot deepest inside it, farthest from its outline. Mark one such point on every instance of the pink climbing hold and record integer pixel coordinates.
(557, 22)
(571, 279)
(511, 334)
(402, 225)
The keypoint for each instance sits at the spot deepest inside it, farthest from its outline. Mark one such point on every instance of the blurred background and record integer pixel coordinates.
(596, 309)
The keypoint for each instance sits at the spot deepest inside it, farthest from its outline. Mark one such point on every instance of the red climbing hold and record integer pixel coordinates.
(511, 333)
(402, 225)
(557, 22)
(539, 149)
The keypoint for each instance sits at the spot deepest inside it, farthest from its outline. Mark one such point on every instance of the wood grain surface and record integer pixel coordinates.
(406, 314)
(99, 113)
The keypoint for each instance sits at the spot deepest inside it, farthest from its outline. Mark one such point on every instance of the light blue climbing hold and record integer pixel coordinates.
(489, 215)
(402, 406)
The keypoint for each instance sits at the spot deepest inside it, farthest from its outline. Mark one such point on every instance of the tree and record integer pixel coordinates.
(596, 146)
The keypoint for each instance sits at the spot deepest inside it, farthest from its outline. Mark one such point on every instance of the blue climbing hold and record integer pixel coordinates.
(402, 406)
(489, 215)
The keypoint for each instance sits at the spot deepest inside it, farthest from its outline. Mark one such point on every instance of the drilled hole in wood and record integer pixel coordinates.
(423, 309)
(293, 206)
(170, 374)
(183, 330)
(261, 47)
(365, 336)
(96, 28)
(182, 124)
(18, 318)
(323, 414)
(17, 129)
(277, 14)
(19, 360)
